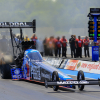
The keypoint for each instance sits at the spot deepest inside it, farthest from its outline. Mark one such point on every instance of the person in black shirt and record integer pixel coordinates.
(45, 46)
(72, 45)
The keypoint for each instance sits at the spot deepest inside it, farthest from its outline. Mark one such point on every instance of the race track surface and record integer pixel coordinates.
(24, 90)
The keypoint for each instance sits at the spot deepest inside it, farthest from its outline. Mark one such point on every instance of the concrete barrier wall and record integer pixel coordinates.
(90, 51)
(71, 67)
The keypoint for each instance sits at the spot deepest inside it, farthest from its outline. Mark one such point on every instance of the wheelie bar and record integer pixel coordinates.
(72, 82)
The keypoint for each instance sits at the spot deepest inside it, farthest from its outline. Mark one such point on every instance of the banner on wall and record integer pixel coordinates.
(91, 67)
(71, 64)
(86, 66)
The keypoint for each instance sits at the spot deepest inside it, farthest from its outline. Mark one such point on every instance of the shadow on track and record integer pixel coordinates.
(61, 90)
(42, 84)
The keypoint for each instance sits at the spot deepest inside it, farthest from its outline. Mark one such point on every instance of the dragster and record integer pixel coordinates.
(29, 64)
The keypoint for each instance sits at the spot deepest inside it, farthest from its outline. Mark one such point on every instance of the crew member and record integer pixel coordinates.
(72, 45)
(26, 38)
(45, 46)
(64, 46)
(86, 46)
(55, 47)
(34, 39)
(50, 46)
(76, 46)
(58, 44)
(80, 43)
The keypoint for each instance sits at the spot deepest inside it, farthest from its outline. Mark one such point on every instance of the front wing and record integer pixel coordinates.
(72, 82)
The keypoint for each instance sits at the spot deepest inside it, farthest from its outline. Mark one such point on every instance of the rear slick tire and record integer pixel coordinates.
(6, 71)
(80, 76)
(55, 77)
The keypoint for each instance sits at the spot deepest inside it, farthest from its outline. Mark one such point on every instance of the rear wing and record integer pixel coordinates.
(19, 25)
(20, 44)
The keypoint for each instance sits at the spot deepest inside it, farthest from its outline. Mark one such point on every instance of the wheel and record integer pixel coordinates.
(80, 76)
(55, 77)
(6, 71)
(46, 85)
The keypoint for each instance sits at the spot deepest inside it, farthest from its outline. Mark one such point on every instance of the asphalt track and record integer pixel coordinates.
(25, 90)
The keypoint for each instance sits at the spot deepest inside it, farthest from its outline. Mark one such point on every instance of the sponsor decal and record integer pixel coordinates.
(13, 24)
(86, 66)
(78, 65)
(35, 72)
(96, 52)
(17, 76)
(16, 24)
(53, 61)
(73, 82)
(17, 71)
(45, 75)
(91, 67)
(71, 64)
(96, 49)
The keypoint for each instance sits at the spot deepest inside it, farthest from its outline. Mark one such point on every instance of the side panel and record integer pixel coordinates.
(45, 75)
(35, 72)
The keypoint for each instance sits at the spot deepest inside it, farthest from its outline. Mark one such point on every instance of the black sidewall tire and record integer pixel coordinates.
(55, 73)
(6, 71)
(80, 87)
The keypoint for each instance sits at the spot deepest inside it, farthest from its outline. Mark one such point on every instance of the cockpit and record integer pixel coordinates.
(35, 56)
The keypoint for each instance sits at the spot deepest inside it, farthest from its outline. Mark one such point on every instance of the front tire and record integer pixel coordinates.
(55, 77)
(80, 76)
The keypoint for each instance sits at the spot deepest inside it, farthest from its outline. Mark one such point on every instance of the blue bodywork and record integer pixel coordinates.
(35, 68)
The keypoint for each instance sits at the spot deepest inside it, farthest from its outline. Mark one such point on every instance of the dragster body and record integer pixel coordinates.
(35, 68)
